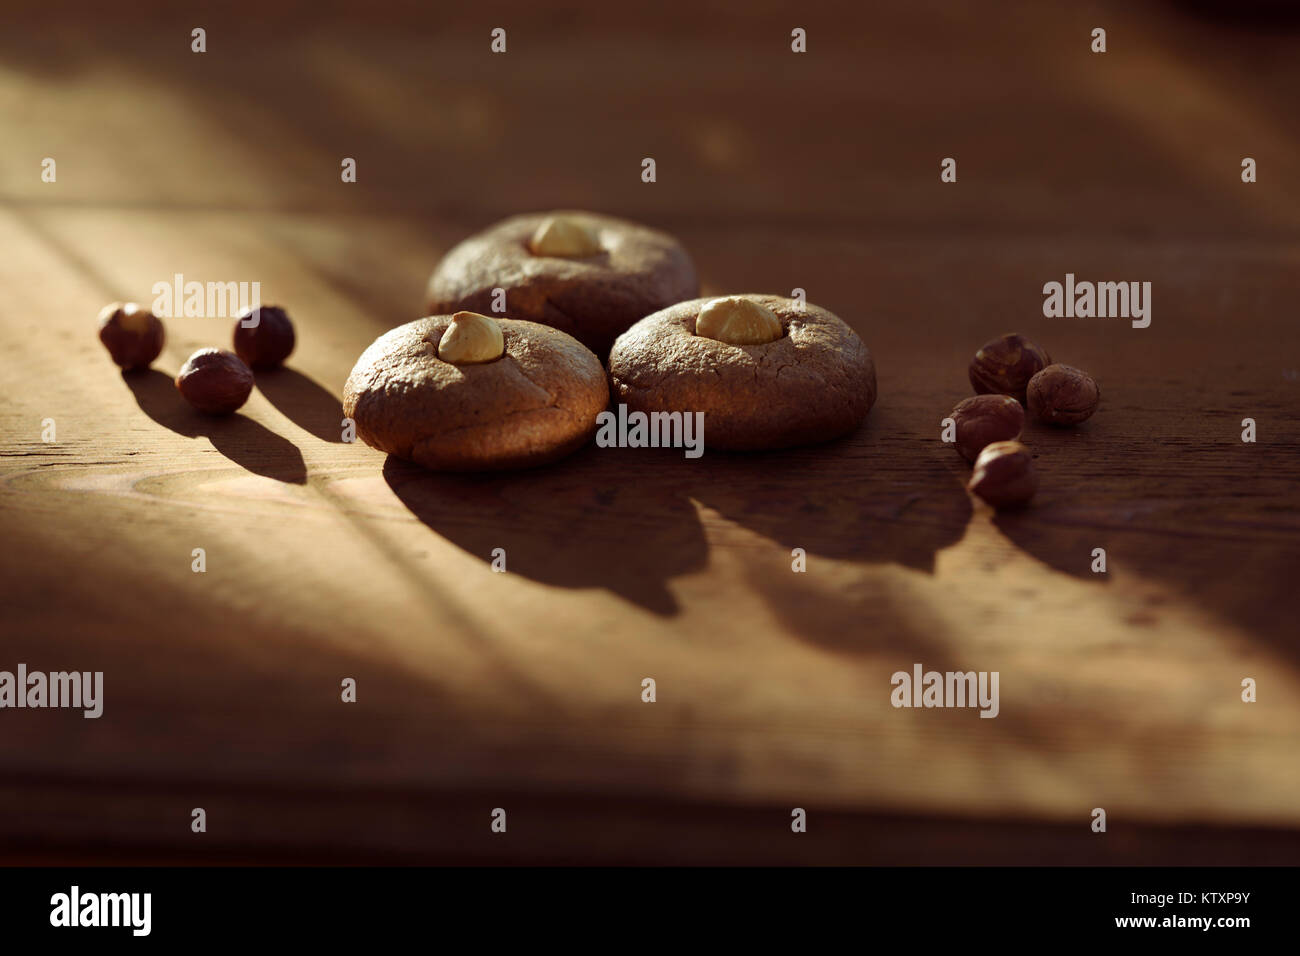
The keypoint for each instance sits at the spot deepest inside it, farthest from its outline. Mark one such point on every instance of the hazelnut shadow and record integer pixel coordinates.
(1044, 529)
(1168, 520)
(242, 440)
(602, 518)
(303, 401)
(1064, 548)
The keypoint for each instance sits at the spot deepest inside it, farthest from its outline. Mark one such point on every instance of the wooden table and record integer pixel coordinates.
(522, 690)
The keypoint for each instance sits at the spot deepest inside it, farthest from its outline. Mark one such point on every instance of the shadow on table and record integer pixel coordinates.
(1183, 522)
(871, 498)
(1264, 16)
(854, 499)
(582, 523)
(626, 519)
(242, 440)
(1062, 547)
(304, 402)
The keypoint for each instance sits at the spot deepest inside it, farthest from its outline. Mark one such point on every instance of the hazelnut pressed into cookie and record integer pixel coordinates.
(472, 393)
(589, 275)
(765, 372)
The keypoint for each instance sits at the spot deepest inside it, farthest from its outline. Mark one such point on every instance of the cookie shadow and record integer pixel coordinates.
(590, 521)
(305, 402)
(242, 440)
(866, 497)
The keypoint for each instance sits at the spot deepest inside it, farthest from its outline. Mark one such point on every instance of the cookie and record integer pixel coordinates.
(472, 393)
(588, 275)
(781, 375)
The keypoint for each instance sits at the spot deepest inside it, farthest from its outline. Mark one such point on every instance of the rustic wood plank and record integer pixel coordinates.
(479, 689)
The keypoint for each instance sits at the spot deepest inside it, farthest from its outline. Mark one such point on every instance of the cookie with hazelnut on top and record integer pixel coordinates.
(766, 371)
(468, 392)
(589, 275)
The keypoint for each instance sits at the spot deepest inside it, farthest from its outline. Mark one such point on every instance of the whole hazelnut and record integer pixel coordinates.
(737, 320)
(1063, 395)
(1004, 475)
(132, 334)
(564, 237)
(1005, 365)
(984, 419)
(215, 381)
(471, 339)
(264, 336)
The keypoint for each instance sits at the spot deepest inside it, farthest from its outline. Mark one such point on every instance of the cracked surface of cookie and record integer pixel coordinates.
(534, 404)
(593, 297)
(815, 383)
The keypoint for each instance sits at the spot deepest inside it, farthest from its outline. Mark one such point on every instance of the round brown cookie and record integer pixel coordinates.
(630, 271)
(816, 382)
(536, 403)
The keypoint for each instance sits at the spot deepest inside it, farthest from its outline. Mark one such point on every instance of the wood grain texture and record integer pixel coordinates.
(521, 690)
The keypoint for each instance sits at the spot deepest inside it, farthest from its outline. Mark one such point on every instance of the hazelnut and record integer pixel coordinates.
(984, 419)
(471, 339)
(564, 237)
(133, 335)
(1004, 475)
(1063, 395)
(1005, 366)
(215, 381)
(264, 337)
(737, 320)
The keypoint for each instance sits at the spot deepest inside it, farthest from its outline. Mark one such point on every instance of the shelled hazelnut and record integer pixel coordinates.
(471, 339)
(984, 419)
(736, 320)
(1004, 475)
(1063, 395)
(1005, 365)
(264, 337)
(564, 237)
(215, 381)
(132, 334)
